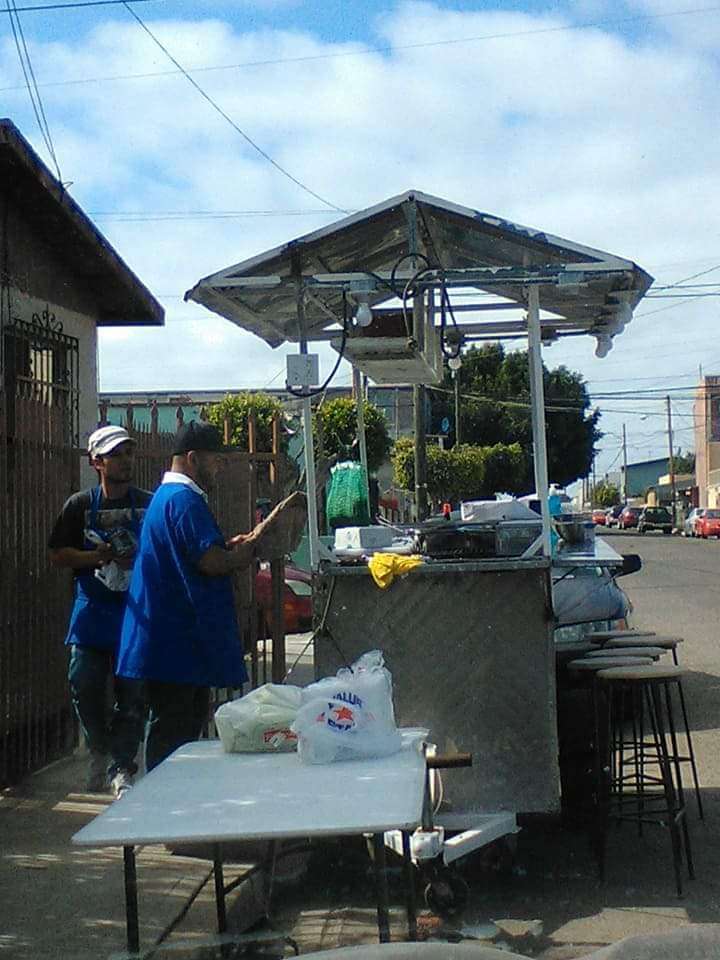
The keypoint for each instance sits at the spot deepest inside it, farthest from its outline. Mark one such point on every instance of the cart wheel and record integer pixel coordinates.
(447, 894)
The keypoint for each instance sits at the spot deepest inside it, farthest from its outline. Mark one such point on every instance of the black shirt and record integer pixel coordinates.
(114, 520)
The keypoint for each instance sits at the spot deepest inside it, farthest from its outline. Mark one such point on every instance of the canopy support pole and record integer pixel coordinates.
(359, 394)
(310, 483)
(537, 404)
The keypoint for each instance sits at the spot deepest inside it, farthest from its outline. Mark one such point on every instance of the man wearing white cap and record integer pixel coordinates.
(96, 537)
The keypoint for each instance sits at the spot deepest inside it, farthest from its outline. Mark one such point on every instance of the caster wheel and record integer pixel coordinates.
(447, 894)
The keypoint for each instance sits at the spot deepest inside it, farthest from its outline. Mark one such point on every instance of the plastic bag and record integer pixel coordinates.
(348, 716)
(260, 722)
(347, 499)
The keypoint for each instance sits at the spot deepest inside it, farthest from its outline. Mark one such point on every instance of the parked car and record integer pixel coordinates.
(690, 524)
(598, 516)
(629, 517)
(655, 518)
(612, 515)
(708, 525)
(297, 599)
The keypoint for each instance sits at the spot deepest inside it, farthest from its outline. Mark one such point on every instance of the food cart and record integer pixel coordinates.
(469, 641)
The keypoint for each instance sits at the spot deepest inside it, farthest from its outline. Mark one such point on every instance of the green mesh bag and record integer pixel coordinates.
(347, 499)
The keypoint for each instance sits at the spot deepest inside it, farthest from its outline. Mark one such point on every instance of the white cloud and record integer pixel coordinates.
(604, 140)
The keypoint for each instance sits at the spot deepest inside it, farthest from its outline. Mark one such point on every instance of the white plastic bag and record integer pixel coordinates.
(349, 716)
(368, 682)
(260, 722)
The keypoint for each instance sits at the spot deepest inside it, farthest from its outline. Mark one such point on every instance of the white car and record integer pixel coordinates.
(690, 521)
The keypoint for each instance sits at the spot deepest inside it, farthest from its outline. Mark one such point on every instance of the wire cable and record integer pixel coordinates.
(31, 82)
(225, 116)
(69, 6)
(385, 48)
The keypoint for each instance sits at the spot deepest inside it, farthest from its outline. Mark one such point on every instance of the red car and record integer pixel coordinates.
(599, 517)
(297, 599)
(629, 517)
(708, 525)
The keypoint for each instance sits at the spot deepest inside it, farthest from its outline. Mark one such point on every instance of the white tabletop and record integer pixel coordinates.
(202, 794)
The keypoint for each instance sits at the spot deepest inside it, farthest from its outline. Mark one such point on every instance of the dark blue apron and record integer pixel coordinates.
(97, 613)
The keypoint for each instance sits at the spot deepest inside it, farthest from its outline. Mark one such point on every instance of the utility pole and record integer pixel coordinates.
(624, 483)
(592, 496)
(671, 464)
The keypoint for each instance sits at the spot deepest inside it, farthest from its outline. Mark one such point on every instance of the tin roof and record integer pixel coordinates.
(121, 299)
(582, 287)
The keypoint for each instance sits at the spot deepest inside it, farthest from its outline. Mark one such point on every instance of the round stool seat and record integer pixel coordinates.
(652, 672)
(602, 635)
(635, 651)
(603, 663)
(667, 643)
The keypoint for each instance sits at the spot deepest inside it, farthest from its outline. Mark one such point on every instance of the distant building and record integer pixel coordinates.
(646, 474)
(707, 441)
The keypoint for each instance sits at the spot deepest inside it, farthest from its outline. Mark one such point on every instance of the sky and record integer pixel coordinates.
(591, 120)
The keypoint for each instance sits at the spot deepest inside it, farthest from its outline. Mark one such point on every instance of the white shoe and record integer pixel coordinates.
(97, 773)
(121, 783)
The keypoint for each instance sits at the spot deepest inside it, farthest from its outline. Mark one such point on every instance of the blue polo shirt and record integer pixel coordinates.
(180, 626)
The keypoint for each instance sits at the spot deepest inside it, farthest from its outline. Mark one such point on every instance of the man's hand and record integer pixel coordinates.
(280, 532)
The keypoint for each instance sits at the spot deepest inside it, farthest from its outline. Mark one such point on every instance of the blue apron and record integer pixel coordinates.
(97, 613)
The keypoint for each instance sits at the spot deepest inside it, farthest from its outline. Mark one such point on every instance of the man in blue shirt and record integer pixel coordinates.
(180, 631)
(96, 536)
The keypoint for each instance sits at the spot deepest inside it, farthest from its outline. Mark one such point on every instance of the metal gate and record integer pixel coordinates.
(39, 468)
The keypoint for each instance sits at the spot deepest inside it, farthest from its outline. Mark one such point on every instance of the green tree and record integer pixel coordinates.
(236, 408)
(606, 494)
(684, 462)
(338, 429)
(461, 473)
(495, 408)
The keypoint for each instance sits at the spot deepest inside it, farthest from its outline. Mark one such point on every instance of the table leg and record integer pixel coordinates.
(219, 888)
(131, 900)
(381, 887)
(409, 886)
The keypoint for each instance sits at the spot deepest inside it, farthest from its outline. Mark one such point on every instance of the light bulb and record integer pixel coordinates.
(604, 346)
(455, 363)
(364, 315)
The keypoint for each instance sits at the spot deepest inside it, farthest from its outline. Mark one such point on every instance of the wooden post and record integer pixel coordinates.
(256, 622)
(154, 417)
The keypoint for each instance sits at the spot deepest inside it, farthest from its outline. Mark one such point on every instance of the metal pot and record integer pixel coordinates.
(446, 539)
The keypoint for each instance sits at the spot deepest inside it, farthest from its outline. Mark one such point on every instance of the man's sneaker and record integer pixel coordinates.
(97, 773)
(120, 784)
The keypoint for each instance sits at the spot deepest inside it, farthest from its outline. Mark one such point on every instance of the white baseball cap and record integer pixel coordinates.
(102, 441)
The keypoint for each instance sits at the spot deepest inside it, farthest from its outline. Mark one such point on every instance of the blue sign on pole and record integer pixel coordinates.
(445, 425)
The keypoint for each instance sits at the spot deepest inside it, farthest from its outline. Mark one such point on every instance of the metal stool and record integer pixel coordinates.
(602, 635)
(652, 745)
(645, 650)
(614, 645)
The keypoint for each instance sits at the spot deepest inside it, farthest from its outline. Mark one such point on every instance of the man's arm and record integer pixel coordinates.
(218, 561)
(74, 559)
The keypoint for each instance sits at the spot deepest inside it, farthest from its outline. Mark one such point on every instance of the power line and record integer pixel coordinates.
(67, 6)
(385, 48)
(31, 82)
(225, 116)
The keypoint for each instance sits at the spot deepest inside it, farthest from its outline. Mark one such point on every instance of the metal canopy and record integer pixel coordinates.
(586, 290)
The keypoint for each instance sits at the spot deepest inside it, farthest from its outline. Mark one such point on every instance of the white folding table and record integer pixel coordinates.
(200, 794)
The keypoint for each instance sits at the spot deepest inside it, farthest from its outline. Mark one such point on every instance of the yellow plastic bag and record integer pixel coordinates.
(384, 567)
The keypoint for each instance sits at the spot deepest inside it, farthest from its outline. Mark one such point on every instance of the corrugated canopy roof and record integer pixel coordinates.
(583, 288)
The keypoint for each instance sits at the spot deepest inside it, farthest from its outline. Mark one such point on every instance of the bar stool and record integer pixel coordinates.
(602, 635)
(592, 780)
(653, 652)
(653, 745)
(665, 643)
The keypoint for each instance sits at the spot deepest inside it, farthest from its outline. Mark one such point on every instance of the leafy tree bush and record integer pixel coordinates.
(461, 473)
(237, 409)
(338, 422)
(606, 494)
(495, 408)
